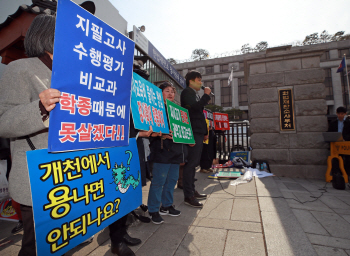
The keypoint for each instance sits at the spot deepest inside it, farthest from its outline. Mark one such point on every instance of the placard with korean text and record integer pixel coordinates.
(221, 121)
(208, 114)
(147, 106)
(92, 68)
(180, 124)
(76, 194)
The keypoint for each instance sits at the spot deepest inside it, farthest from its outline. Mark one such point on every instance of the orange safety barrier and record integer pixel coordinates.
(338, 148)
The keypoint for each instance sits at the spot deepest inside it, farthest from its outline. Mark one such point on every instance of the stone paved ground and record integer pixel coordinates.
(263, 217)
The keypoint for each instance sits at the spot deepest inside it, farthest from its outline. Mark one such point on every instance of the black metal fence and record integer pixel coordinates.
(235, 139)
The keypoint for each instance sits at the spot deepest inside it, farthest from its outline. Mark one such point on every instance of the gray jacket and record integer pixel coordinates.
(20, 85)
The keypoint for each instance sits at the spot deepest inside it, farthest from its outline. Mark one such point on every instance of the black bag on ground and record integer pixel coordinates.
(338, 181)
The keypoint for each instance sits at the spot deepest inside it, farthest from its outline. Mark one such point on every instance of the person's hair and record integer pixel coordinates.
(341, 110)
(165, 85)
(192, 75)
(40, 36)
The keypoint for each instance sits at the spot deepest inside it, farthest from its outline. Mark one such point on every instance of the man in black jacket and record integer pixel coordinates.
(338, 124)
(191, 100)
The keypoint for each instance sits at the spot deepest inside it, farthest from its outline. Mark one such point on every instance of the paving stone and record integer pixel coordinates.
(150, 227)
(311, 187)
(217, 208)
(10, 250)
(334, 202)
(345, 199)
(329, 241)
(245, 210)
(306, 205)
(224, 187)
(201, 241)
(294, 186)
(246, 189)
(309, 223)
(221, 195)
(333, 223)
(284, 235)
(327, 251)
(268, 204)
(188, 215)
(275, 192)
(85, 249)
(244, 243)
(228, 224)
(164, 241)
(345, 217)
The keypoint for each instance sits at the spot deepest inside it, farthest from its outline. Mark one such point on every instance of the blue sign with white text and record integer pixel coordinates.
(76, 194)
(92, 68)
(147, 106)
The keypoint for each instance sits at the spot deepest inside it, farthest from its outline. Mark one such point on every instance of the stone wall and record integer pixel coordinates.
(299, 153)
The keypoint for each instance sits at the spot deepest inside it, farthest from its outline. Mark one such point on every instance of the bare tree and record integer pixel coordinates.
(311, 39)
(172, 61)
(261, 46)
(200, 54)
(246, 48)
(325, 37)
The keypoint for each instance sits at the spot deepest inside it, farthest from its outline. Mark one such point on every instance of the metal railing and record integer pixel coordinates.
(235, 139)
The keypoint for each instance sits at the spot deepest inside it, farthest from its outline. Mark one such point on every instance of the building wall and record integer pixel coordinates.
(300, 152)
(104, 11)
(330, 60)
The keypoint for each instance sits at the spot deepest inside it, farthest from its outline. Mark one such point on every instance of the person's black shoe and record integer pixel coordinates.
(155, 217)
(199, 196)
(121, 249)
(131, 240)
(192, 201)
(18, 228)
(169, 211)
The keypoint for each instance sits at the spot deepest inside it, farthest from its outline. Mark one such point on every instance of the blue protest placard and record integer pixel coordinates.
(244, 154)
(147, 106)
(76, 194)
(92, 68)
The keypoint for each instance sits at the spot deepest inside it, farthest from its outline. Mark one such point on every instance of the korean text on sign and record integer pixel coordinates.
(221, 121)
(76, 194)
(180, 123)
(95, 82)
(147, 106)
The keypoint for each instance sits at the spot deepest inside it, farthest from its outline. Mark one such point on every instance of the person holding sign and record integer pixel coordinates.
(191, 100)
(25, 103)
(166, 157)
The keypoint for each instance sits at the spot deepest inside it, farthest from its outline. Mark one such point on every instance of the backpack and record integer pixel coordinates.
(338, 181)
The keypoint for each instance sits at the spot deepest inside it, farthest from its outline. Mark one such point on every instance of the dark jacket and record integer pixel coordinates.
(195, 109)
(166, 151)
(333, 126)
(346, 129)
(170, 153)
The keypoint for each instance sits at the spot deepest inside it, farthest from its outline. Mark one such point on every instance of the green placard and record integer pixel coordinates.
(180, 123)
